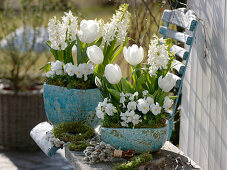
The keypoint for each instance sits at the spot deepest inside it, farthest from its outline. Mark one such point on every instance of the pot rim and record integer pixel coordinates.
(135, 128)
(71, 89)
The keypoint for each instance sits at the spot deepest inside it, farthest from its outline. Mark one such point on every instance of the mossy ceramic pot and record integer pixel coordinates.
(68, 105)
(140, 139)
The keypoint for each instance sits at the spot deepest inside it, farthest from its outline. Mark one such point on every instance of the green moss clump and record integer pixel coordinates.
(74, 132)
(134, 163)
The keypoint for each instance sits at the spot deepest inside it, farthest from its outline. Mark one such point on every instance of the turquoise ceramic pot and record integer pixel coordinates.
(64, 105)
(142, 140)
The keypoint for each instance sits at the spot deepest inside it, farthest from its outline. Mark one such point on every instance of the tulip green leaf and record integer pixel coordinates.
(98, 42)
(115, 94)
(126, 86)
(173, 97)
(79, 51)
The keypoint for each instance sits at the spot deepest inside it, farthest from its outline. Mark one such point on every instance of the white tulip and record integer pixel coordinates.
(113, 73)
(166, 83)
(89, 30)
(134, 54)
(95, 54)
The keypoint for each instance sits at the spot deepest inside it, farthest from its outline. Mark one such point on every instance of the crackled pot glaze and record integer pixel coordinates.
(140, 139)
(67, 105)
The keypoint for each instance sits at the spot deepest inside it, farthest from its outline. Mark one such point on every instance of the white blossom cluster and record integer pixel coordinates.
(117, 27)
(143, 105)
(158, 56)
(53, 140)
(62, 32)
(82, 70)
(105, 107)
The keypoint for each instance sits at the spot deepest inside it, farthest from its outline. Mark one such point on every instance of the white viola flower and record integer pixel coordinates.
(155, 109)
(167, 103)
(166, 83)
(78, 72)
(122, 99)
(100, 114)
(89, 31)
(71, 23)
(130, 116)
(95, 54)
(70, 69)
(136, 119)
(113, 73)
(150, 100)
(57, 65)
(145, 93)
(124, 116)
(110, 109)
(124, 124)
(59, 71)
(132, 105)
(49, 73)
(143, 106)
(135, 94)
(134, 54)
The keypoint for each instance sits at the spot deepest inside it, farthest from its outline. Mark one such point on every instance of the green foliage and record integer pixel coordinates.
(134, 163)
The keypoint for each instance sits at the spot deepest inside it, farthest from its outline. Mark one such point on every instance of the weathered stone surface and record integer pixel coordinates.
(168, 157)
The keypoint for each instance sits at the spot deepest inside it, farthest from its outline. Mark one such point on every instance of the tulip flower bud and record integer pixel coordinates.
(95, 54)
(133, 55)
(113, 73)
(89, 30)
(166, 83)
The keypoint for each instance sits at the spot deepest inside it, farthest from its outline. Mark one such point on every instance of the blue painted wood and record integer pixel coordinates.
(180, 52)
(178, 66)
(39, 135)
(67, 105)
(179, 36)
(140, 139)
(186, 19)
(180, 17)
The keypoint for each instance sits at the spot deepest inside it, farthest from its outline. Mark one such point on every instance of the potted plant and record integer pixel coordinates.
(70, 93)
(21, 100)
(135, 115)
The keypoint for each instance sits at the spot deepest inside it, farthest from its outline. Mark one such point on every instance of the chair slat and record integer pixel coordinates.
(181, 52)
(178, 66)
(179, 36)
(180, 17)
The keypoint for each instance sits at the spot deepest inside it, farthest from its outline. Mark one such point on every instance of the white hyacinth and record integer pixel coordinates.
(62, 32)
(117, 27)
(158, 56)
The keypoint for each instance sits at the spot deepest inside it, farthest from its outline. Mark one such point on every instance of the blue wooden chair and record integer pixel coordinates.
(186, 19)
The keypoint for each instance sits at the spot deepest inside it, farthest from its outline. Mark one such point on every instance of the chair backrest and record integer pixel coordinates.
(188, 20)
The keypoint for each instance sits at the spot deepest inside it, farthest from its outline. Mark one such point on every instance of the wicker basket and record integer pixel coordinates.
(19, 113)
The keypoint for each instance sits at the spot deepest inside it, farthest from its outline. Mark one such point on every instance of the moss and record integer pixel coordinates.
(134, 163)
(74, 132)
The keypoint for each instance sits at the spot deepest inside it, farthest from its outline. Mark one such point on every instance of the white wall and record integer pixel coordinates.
(203, 135)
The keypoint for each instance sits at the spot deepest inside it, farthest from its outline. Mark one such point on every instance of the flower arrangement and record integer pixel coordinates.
(145, 102)
(97, 44)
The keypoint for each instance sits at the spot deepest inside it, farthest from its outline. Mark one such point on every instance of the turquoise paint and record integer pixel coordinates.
(140, 139)
(67, 105)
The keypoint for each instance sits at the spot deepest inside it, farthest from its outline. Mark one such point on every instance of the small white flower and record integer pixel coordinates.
(136, 119)
(124, 116)
(132, 105)
(110, 109)
(130, 116)
(124, 124)
(143, 106)
(145, 92)
(122, 100)
(135, 94)
(70, 69)
(167, 103)
(100, 114)
(155, 109)
(59, 71)
(79, 72)
(150, 100)
(49, 73)
(57, 65)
